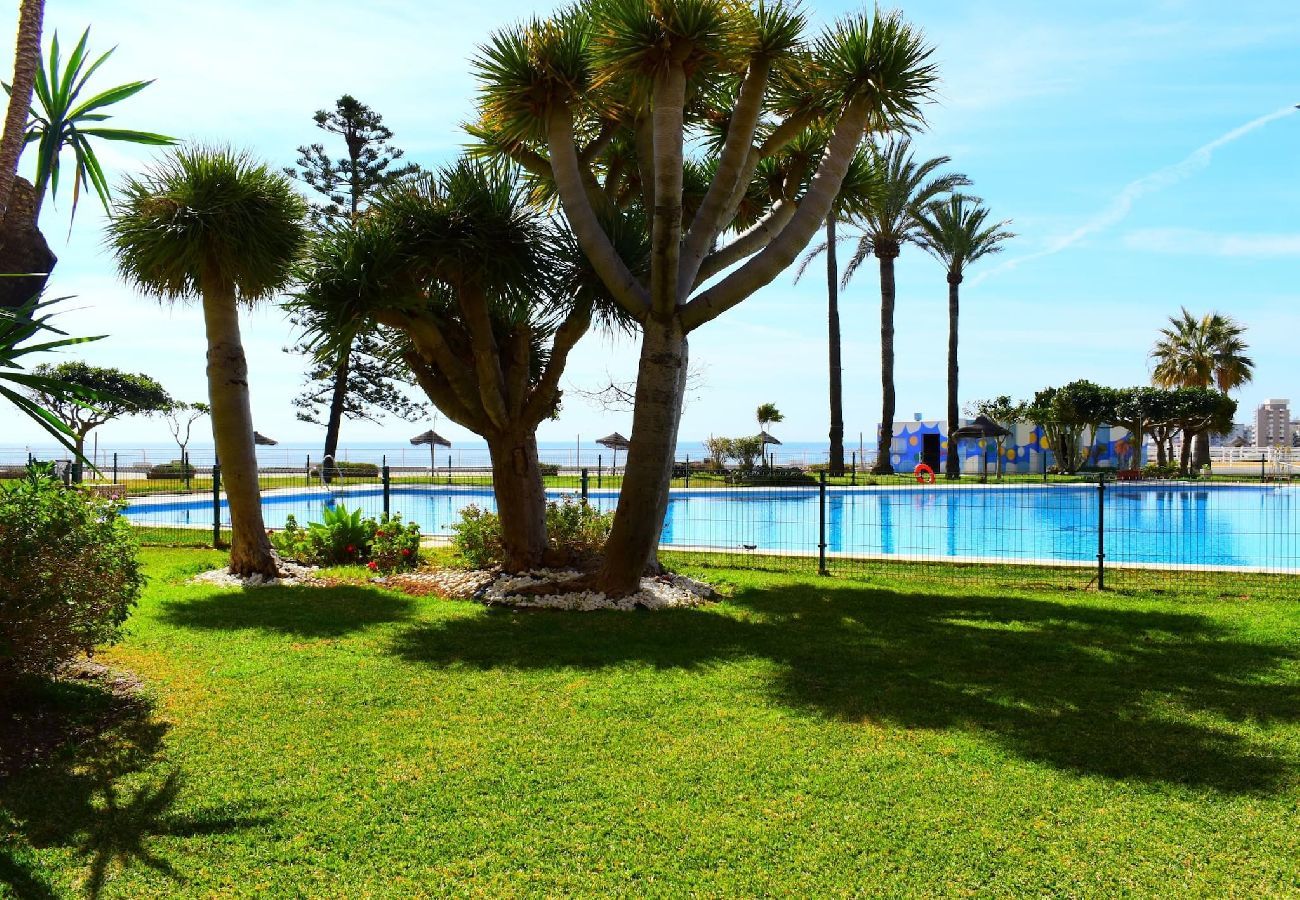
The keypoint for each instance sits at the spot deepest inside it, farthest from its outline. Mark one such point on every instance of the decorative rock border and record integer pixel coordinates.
(494, 588)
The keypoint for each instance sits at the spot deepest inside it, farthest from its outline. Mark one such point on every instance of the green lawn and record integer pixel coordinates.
(806, 737)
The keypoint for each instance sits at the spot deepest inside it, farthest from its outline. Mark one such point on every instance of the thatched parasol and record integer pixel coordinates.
(981, 427)
(615, 442)
(262, 440)
(434, 440)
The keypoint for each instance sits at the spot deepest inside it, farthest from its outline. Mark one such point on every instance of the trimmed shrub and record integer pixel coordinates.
(171, 471)
(346, 469)
(548, 470)
(68, 573)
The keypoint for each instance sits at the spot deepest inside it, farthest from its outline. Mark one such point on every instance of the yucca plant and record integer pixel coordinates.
(18, 327)
(693, 119)
(216, 225)
(62, 120)
(487, 297)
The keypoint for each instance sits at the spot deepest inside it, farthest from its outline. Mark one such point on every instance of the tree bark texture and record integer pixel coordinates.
(232, 432)
(27, 59)
(521, 499)
(335, 421)
(836, 462)
(885, 440)
(660, 388)
(953, 465)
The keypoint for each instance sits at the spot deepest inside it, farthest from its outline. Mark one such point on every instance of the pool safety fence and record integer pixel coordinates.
(1082, 531)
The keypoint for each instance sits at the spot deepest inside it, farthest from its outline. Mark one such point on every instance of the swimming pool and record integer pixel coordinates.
(1223, 526)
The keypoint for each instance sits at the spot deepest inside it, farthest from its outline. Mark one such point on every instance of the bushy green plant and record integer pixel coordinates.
(548, 470)
(477, 537)
(68, 572)
(395, 544)
(344, 537)
(575, 531)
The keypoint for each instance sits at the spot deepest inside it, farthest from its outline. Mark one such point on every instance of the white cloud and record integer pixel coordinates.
(1122, 203)
(1188, 241)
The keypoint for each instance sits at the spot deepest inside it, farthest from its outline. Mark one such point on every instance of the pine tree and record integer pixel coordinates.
(356, 383)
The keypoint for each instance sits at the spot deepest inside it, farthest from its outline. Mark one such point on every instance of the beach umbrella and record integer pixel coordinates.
(980, 428)
(434, 440)
(263, 441)
(768, 440)
(615, 442)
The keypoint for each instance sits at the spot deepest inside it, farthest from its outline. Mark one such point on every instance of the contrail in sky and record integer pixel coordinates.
(1160, 179)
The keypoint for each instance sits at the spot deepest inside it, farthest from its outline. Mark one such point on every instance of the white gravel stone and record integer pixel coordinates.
(495, 588)
(290, 573)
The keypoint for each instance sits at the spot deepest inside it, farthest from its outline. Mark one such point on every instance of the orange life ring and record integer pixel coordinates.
(924, 474)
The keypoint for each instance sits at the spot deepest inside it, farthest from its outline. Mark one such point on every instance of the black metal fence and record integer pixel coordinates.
(1238, 538)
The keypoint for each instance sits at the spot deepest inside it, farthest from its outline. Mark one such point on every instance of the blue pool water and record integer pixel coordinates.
(1180, 524)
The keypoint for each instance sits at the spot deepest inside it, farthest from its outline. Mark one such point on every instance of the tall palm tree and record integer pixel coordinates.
(27, 61)
(854, 195)
(1200, 353)
(901, 189)
(957, 232)
(214, 223)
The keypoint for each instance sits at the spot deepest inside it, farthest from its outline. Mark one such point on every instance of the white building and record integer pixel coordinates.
(1273, 424)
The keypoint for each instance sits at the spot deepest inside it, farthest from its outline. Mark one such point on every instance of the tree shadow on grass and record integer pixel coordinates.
(307, 612)
(1120, 693)
(98, 791)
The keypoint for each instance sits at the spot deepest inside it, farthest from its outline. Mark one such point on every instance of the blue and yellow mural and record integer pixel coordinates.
(1023, 451)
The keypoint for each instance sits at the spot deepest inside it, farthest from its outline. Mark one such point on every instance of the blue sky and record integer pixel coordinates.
(1080, 122)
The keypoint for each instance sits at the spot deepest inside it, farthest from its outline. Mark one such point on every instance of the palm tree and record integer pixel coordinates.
(475, 288)
(568, 96)
(27, 61)
(901, 189)
(214, 223)
(957, 232)
(1200, 353)
(853, 195)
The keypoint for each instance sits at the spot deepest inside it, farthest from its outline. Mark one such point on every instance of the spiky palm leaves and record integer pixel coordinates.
(488, 296)
(213, 223)
(1202, 352)
(688, 114)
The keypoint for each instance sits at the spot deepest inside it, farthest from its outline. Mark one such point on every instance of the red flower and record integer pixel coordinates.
(351, 549)
(372, 566)
(380, 534)
(406, 551)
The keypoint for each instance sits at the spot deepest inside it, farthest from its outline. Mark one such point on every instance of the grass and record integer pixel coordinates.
(898, 736)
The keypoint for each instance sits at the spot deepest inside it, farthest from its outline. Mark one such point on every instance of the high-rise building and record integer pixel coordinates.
(1273, 424)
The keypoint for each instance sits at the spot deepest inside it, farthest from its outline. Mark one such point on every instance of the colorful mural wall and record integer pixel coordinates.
(1024, 452)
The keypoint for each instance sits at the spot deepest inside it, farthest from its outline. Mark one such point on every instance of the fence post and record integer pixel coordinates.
(1262, 458)
(600, 469)
(387, 484)
(448, 468)
(821, 523)
(1044, 456)
(115, 467)
(584, 484)
(688, 470)
(216, 505)
(1101, 531)
(853, 466)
